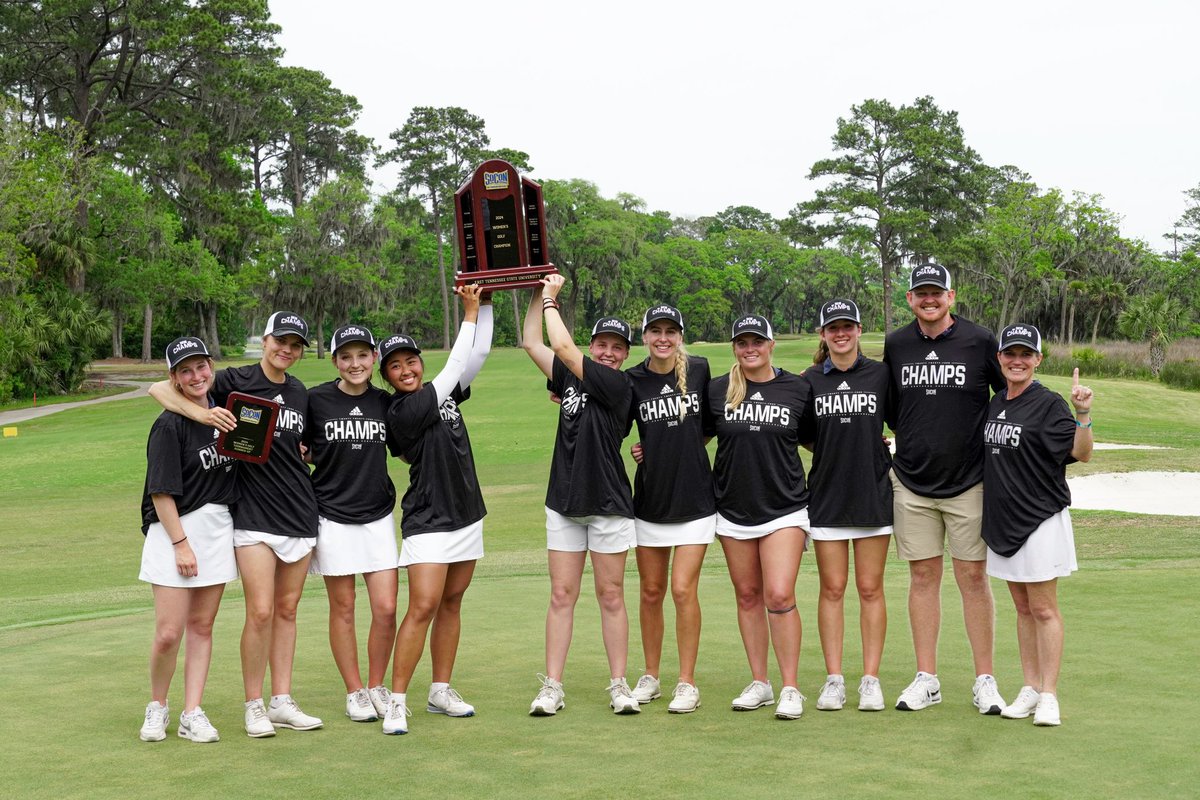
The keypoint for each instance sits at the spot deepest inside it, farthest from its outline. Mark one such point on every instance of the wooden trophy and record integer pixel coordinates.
(501, 225)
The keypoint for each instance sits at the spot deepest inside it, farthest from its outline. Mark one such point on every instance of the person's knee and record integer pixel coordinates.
(779, 598)
(611, 597)
(869, 588)
(684, 594)
(563, 596)
(833, 588)
(925, 576)
(259, 615)
(201, 626)
(652, 592)
(167, 637)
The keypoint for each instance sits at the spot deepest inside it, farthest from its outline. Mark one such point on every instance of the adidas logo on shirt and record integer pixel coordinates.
(932, 356)
(1000, 415)
(278, 399)
(666, 390)
(756, 396)
(356, 412)
(845, 387)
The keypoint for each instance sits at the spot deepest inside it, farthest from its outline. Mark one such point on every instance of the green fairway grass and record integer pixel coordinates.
(76, 626)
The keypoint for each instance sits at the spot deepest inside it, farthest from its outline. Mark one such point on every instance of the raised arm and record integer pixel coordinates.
(1081, 399)
(170, 399)
(483, 342)
(561, 341)
(531, 336)
(456, 362)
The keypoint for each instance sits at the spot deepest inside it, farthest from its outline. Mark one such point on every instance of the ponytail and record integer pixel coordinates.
(681, 368)
(736, 392)
(822, 352)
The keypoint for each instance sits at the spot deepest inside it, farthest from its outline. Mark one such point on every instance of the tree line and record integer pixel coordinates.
(162, 172)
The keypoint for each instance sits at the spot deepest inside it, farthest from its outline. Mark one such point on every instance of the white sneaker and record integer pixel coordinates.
(833, 694)
(196, 727)
(359, 707)
(923, 692)
(685, 700)
(987, 696)
(870, 694)
(258, 725)
(395, 718)
(154, 729)
(1046, 712)
(284, 713)
(621, 699)
(756, 695)
(379, 699)
(549, 700)
(449, 702)
(791, 703)
(648, 688)
(1024, 705)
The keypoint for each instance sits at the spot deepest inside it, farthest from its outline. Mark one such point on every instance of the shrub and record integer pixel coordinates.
(1181, 375)
(1087, 356)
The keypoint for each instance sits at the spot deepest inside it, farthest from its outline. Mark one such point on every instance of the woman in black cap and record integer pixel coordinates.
(672, 498)
(1029, 438)
(443, 507)
(348, 443)
(589, 507)
(275, 520)
(762, 507)
(851, 497)
(188, 552)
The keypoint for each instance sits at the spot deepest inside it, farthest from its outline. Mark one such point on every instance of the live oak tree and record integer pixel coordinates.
(902, 180)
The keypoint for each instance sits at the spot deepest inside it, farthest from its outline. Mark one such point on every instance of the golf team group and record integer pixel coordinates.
(979, 468)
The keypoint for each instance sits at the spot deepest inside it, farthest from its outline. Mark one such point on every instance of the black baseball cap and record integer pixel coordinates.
(929, 275)
(662, 312)
(351, 333)
(185, 347)
(397, 341)
(752, 323)
(281, 323)
(839, 309)
(1020, 333)
(614, 326)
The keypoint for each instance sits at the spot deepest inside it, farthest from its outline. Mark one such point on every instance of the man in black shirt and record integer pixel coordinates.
(943, 369)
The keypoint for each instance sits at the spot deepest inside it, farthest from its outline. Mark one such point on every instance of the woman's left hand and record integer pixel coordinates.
(1081, 396)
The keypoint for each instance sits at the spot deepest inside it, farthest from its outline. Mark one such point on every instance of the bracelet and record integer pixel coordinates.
(549, 302)
(180, 541)
(1079, 424)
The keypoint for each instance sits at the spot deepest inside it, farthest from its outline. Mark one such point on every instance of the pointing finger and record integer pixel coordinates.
(1075, 378)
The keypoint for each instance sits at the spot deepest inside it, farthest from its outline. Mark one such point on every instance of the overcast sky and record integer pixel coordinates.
(696, 106)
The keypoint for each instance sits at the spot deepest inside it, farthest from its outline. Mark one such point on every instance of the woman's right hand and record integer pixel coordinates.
(185, 559)
(637, 452)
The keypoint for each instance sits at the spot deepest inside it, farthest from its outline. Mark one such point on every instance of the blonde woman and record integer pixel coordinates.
(762, 507)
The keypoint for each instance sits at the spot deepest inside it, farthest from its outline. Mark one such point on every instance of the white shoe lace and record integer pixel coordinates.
(361, 698)
(198, 721)
(256, 713)
(685, 690)
(646, 682)
(754, 690)
(549, 690)
(832, 690)
(396, 709)
(619, 688)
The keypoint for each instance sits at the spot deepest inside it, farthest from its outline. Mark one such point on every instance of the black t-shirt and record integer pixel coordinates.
(757, 472)
(182, 461)
(276, 496)
(347, 436)
(674, 481)
(849, 477)
(1027, 444)
(587, 474)
(940, 391)
(443, 491)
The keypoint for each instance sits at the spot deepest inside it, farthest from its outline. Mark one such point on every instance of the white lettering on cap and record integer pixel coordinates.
(393, 340)
(352, 331)
(837, 305)
(747, 321)
(292, 320)
(186, 344)
(928, 270)
(1020, 330)
(662, 310)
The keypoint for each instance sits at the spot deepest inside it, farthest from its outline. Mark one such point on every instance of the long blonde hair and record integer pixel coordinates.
(681, 368)
(736, 391)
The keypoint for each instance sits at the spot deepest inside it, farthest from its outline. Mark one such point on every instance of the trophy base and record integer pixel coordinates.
(494, 280)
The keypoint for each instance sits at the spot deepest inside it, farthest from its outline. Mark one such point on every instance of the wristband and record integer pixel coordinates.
(180, 541)
(1079, 424)
(549, 302)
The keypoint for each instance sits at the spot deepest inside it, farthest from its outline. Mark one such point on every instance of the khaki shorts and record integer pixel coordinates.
(924, 524)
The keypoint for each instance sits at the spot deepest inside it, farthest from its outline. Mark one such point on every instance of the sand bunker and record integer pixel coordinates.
(1174, 493)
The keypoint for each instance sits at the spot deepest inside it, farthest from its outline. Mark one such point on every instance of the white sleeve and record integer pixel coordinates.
(456, 362)
(483, 346)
